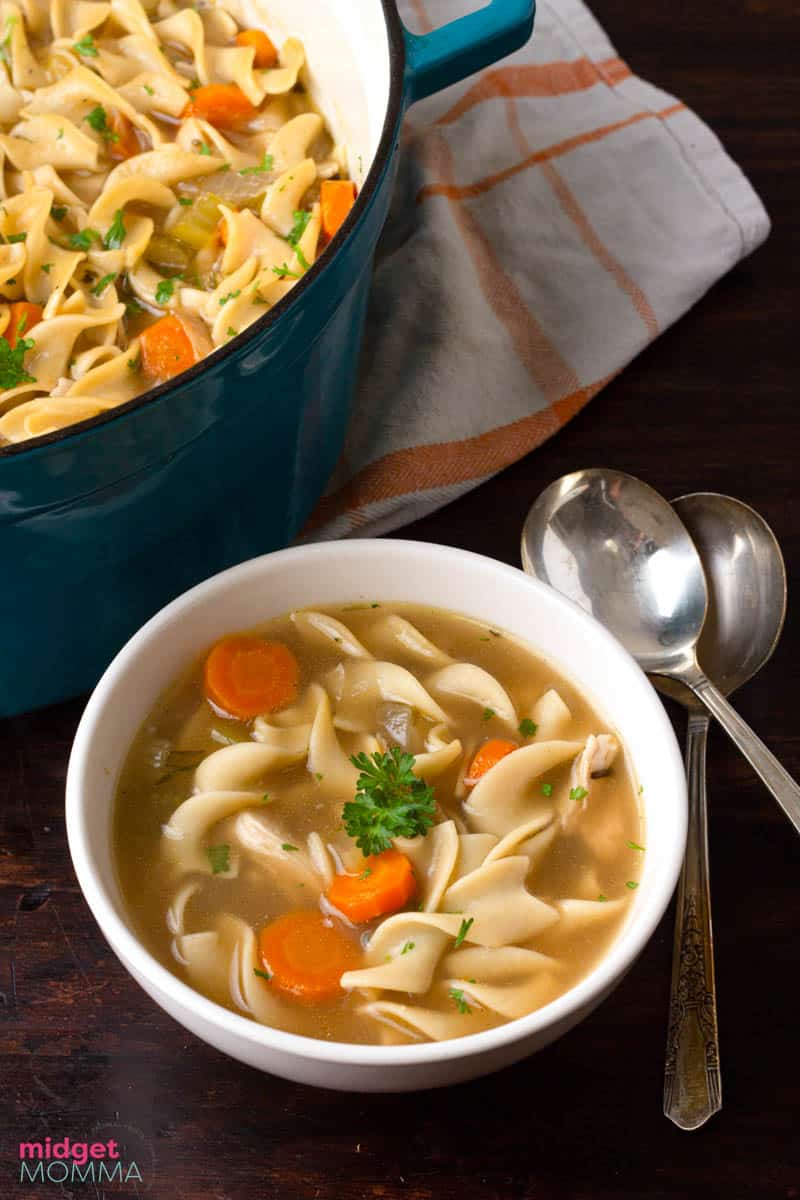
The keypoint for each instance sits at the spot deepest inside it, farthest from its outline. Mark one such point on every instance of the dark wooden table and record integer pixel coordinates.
(714, 405)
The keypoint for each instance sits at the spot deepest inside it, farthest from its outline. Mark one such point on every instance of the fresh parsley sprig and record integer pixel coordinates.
(98, 121)
(390, 801)
(263, 168)
(12, 365)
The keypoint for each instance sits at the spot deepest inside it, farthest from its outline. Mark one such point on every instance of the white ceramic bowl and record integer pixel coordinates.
(343, 572)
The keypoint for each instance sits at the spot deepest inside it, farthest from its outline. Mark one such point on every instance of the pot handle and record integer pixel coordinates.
(436, 60)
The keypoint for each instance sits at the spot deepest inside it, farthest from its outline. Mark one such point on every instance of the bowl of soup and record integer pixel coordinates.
(376, 815)
(192, 199)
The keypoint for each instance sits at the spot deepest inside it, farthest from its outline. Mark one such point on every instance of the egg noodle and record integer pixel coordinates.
(162, 170)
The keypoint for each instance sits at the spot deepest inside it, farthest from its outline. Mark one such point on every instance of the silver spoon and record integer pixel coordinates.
(615, 547)
(746, 580)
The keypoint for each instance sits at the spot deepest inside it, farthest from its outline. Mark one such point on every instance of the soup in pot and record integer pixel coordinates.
(166, 181)
(377, 823)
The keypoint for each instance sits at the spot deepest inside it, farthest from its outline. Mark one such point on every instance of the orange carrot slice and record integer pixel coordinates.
(488, 756)
(337, 197)
(126, 144)
(167, 348)
(223, 105)
(22, 317)
(266, 54)
(246, 675)
(384, 884)
(306, 956)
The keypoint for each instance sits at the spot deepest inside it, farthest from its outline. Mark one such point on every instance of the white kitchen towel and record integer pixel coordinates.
(552, 216)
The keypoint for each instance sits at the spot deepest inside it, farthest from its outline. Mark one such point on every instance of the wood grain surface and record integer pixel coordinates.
(712, 405)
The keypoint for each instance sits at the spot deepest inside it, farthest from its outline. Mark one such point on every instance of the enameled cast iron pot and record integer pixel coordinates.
(106, 522)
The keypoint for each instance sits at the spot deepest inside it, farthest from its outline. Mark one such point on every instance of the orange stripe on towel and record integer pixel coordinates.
(422, 468)
(471, 190)
(423, 20)
(537, 79)
(553, 374)
(591, 239)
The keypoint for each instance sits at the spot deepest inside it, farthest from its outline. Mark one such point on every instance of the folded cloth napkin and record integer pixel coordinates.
(552, 216)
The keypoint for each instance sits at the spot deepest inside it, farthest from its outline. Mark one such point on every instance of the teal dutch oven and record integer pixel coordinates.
(106, 522)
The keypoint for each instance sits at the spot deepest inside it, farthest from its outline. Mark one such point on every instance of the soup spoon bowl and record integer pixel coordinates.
(616, 548)
(746, 580)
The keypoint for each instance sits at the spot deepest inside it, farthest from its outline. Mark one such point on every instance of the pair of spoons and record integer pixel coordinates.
(704, 578)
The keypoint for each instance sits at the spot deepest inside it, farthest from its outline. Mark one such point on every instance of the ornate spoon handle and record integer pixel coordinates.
(692, 1088)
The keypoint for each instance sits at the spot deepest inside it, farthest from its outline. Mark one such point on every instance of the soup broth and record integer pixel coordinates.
(504, 828)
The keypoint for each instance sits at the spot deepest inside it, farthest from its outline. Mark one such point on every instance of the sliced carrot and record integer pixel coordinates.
(306, 956)
(384, 884)
(266, 54)
(126, 144)
(337, 197)
(488, 756)
(22, 318)
(167, 348)
(223, 105)
(246, 675)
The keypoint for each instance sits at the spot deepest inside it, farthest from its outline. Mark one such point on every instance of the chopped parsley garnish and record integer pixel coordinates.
(150, 91)
(17, 237)
(47, 267)
(635, 846)
(115, 234)
(220, 858)
(98, 121)
(83, 240)
(547, 789)
(232, 332)
(5, 45)
(135, 364)
(365, 874)
(204, 149)
(58, 211)
(487, 714)
(263, 168)
(86, 47)
(318, 776)
(288, 846)
(301, 220)
(12, 368)
(164, 291)
(301, 258)
(262, 974)
(408, 947)
(390, 801)
(21, 323)
(578, 793)
(266, 798)
(103, 283)
(186, 201)
(631, 884)
(527, 727)
(457, 996)
(230, 296)
(463, 931)
(133, 306)
(284, 272)
(601, 898)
